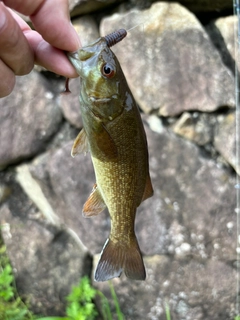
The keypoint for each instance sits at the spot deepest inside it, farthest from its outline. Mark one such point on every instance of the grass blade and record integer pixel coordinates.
(115, 299)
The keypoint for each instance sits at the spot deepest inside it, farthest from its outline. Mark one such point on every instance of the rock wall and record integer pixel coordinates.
(181, 73)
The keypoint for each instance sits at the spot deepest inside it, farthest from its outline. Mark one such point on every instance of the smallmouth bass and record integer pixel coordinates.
(113, 133)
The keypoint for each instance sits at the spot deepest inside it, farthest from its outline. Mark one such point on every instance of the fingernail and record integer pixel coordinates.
(2, 15)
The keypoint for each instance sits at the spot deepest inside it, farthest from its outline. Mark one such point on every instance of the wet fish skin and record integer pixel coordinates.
(114, 134)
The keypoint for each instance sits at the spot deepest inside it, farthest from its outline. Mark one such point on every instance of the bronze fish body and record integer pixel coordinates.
(113, 133)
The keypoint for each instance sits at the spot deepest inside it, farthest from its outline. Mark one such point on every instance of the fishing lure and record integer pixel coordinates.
(115, 37)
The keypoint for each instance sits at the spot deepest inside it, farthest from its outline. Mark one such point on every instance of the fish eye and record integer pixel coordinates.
(108, 70)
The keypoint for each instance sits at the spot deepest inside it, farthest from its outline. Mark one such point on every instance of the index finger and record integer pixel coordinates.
(15, 50)
(51, 19)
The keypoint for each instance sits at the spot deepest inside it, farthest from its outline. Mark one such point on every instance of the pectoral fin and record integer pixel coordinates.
(80, 144)
(105, 143)
(94, 204)
(148, 192)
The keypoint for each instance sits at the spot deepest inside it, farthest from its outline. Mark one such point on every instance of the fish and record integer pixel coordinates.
(114, 135)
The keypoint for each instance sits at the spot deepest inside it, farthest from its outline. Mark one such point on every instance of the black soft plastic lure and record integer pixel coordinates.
(115, 37)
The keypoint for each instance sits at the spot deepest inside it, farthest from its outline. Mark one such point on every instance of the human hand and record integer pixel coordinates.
(21, 47)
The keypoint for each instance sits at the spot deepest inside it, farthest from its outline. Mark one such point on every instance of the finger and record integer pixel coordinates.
(45, 55)
(15, 51)
(7, 85)
(49, 57)
(56, 28)
(22, 24)
(51, 19)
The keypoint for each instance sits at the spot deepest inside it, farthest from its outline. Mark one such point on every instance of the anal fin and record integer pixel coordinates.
(94, 204)
(80, 144)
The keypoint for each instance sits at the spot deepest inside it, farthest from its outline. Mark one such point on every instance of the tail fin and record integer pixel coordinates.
(116, 258)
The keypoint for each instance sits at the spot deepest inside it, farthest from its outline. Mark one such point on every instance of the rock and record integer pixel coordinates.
(5, 192)
(197, 127)
(169, 62)
(46, 259)
(28, 119)
(65, 134)
(81, 7)
(33, 190)
(87, 29)
(226, 27)
(225, 138)
(192, 290)
(66, 184)
(223, 34)
(193, 202)
(69, 103)
(206, 6)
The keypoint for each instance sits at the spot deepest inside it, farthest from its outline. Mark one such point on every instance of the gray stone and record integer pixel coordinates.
(69, 103)
(192, 290)
(81, 7)
(225, 138)
(227, 26)
(87, 29)
(5, 192)
(65, 134)
(169, 61)
(197, 127)
(223, 33)
(66, 184)
(192, 205)
(46, 259)
(34, 192)
(28, 119)
(206, 5)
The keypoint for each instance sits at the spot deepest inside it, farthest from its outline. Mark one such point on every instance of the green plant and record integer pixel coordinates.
(115, 299)
(167, 311)
(80, 301)
(80, 304)
(105, 308)
(11, 306)
(6, 279)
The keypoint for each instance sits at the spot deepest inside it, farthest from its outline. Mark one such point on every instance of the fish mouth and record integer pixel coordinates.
(99, 100)
(73, 54)
(95, 97)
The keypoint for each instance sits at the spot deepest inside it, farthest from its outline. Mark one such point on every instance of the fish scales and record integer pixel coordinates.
(119, 180)
(114, 134)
